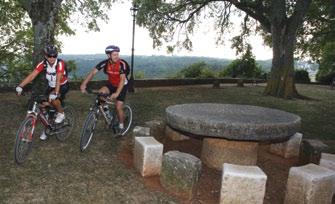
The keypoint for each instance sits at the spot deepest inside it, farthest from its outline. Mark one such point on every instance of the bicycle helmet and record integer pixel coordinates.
(50, 51)
(112, 48)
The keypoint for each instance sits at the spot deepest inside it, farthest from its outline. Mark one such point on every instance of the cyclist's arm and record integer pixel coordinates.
(58, 78)
(121, 84)
(88, 78)
(29, 78)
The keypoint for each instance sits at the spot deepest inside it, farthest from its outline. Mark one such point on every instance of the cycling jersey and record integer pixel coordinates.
(51, 71)
(113, 70)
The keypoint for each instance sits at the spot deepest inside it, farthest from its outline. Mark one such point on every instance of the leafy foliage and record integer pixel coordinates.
(18, 36)
(246, 67)
(301, 76)
(197, 70)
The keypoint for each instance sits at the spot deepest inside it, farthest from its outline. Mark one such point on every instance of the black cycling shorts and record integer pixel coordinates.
(62, 90)
(123, 93)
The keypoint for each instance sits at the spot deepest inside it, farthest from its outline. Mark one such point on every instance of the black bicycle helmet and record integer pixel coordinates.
(50, 51)
(112, 48)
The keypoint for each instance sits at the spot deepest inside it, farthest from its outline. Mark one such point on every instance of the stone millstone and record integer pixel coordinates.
(235, 122)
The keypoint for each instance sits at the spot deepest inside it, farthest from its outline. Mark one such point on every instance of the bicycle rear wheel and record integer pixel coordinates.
(68, 124)
(24, 140)
(88, 130)
(128, 119)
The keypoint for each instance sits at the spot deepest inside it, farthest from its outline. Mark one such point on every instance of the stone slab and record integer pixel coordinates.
(231, 121)
(215, 152)
(289, 148)
(242, 184)
(180, 173)
(309, 184)
(148, 154)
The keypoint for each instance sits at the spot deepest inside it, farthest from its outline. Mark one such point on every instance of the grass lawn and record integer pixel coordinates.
(58, 172)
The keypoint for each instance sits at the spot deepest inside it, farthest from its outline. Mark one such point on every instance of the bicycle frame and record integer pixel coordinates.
(100, 101)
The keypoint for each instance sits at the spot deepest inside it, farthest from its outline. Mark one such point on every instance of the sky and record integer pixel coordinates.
(118, 31)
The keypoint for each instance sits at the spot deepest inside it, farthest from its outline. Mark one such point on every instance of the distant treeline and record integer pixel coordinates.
(154, 66)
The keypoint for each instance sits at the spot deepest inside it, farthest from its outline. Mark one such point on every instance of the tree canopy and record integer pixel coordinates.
(26, 26)
(277, 20)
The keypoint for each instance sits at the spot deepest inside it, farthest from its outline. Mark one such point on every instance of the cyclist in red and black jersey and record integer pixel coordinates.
(117, 84)
(58, 86)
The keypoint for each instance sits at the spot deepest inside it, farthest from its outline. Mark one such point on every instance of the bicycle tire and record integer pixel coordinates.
(128, 113)
(88, 130)
(23, 142)
(70, 120)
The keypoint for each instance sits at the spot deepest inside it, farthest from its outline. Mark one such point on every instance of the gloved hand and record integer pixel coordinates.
(19, 90)
(53, 96)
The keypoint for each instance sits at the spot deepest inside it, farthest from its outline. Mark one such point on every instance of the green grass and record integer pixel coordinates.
(59, 173)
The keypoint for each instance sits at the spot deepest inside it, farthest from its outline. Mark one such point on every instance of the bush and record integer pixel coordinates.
(327, 78)
(301, 76)
(242, 68)
(197, 70)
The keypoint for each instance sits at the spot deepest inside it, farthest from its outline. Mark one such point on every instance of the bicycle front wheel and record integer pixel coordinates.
(68, 124)
(88, 130)
(24, 140)
(128, 119)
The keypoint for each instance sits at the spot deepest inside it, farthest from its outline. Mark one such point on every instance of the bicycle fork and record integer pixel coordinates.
(109, 118)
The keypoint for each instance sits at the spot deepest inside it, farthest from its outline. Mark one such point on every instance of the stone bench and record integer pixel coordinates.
(289, 148)
(310, 151)
(141, 131)
(242, 184)
(148, 156)
(309, 184)
(328, 161)
(180, 173)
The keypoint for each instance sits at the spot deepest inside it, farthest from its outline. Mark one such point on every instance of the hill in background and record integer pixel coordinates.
(153, 66)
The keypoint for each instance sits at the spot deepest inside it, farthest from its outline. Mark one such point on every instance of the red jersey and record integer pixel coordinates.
(114, 70)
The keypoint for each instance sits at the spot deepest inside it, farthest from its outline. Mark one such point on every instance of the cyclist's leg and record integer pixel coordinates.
(119, 105)
(58, 102)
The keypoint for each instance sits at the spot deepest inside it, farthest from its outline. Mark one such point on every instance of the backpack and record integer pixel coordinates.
(127, 68)
(58, 60)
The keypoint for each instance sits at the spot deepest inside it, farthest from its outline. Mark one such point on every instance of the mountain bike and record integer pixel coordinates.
(103, 107)
(41, 111)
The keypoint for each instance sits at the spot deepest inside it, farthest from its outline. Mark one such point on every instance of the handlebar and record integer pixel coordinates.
(101, 96)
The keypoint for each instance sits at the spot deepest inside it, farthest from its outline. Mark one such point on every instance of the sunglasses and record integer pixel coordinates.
(51, 56)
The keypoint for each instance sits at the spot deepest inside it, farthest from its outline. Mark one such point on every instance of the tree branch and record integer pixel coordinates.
(256, 10)
(296, 19)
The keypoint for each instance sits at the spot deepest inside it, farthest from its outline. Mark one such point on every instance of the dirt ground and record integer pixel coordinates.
(275, 167)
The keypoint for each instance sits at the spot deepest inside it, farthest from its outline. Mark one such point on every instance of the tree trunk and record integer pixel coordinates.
(43, 14)
(283, 31)
(281, 80)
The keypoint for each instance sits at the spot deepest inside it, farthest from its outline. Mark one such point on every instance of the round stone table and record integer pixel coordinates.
(231, 132)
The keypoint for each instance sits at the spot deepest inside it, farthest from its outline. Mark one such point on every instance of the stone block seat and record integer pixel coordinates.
(289, 148)
(309, 184)
(242, 184)
(180, 173)
(233, 125)
(148, 153)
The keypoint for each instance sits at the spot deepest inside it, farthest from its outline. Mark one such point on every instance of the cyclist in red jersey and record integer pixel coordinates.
(117, 84)
(56, 74)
